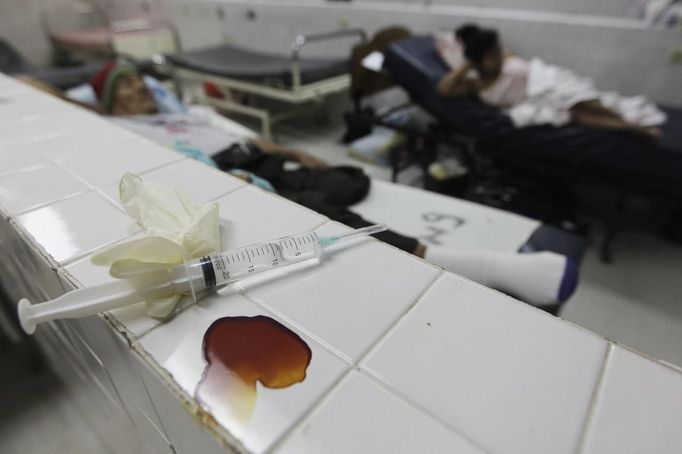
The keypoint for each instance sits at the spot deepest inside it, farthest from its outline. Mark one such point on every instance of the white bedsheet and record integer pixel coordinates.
(553, 90)
(439, 219)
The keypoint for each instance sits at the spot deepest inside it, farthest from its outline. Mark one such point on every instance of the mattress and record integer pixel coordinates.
(238, 63)
(415, 65)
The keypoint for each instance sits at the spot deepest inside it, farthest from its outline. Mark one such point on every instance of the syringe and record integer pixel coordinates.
(190, 278)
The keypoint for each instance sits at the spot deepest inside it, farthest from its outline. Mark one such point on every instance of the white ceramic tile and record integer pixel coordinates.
(639, 407)
(268, 413)
(360, 416)
(18, 157)
(249, 216)
(56, 121)
(70, 228)
(351, 298)
(7, 138)
(23, 191)
(186, 434)
(134, 317)
(102, 169)
(199, 181)
(510, 377)
(117, 357)
(15, 89)
(25, 107)
(97, 137)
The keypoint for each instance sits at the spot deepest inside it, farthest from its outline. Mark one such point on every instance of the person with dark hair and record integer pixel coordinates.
(534, 92)
(466, 31)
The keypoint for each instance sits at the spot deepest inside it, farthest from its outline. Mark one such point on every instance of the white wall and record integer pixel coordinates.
(588, 7)
(620, 54)
(20, 24)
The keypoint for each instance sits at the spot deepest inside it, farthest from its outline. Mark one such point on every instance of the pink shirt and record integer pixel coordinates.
(510, 87)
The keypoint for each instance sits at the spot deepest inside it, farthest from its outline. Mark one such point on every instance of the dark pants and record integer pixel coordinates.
(328, 191)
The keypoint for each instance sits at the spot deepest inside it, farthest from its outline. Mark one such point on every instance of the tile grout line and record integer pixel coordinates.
(46, 204)
(416, 406)
(71, 173)
(188, 402)
(266, 307)
(582, 441)
(263, 305)
(135, 366)
(290, 429)
(100, 187)
(74, 259)
(229, 192)
(305, 417)
(408, 310)
(353, 366)
(385, 386)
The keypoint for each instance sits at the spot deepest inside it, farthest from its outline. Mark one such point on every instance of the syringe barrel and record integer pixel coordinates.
(229, 266)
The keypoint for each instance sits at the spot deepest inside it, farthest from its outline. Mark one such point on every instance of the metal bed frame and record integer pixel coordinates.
(297, 95)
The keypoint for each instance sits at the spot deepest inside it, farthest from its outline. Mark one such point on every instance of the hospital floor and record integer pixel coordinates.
(635, 301)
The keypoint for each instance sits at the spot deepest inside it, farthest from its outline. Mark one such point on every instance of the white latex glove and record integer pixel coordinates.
(176, 229)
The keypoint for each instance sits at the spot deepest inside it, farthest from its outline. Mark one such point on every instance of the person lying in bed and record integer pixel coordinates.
(534, 93)
(540, 279)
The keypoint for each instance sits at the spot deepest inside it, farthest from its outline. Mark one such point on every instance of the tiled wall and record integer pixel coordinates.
(404, 356)
(619, 54)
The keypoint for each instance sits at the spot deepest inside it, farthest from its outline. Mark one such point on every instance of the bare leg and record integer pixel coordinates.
(592, 114)
(597, 107)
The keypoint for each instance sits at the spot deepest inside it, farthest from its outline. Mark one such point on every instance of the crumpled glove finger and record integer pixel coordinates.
(161, 308)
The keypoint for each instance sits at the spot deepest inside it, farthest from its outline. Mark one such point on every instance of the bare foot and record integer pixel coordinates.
(651, 133)
(655, 132)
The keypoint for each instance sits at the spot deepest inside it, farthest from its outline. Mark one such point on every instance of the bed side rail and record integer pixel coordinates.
(301, 40)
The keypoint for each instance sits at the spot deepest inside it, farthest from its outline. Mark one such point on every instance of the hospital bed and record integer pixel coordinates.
(293, 80)
(63, 78)
(554, 159)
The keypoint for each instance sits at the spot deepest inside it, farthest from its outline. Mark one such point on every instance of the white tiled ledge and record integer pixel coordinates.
(405, 356)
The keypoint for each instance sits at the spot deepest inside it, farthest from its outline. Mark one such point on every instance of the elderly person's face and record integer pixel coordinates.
(132, 97)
